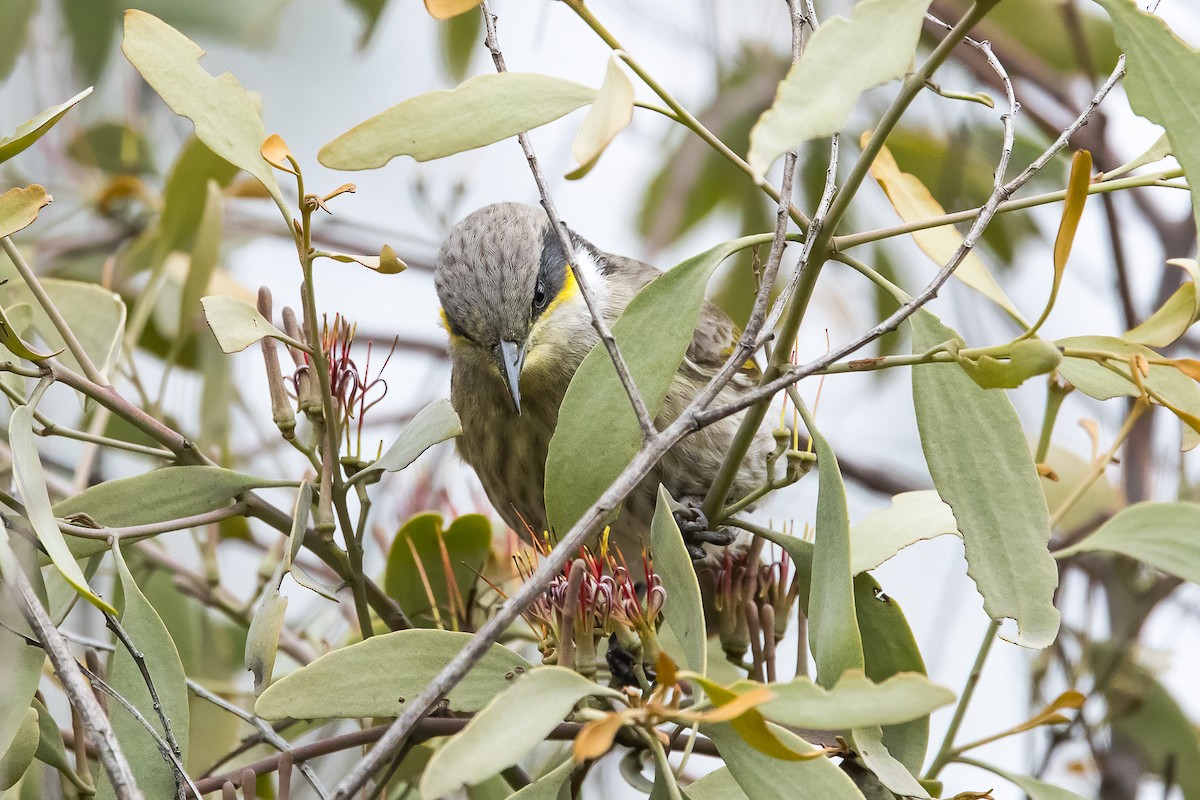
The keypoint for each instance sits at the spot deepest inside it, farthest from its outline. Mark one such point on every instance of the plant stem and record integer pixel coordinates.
(1055, 394)
(946, 751)
(1140, 407)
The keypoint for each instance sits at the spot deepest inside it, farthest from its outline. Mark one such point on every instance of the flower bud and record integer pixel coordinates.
(281, 408)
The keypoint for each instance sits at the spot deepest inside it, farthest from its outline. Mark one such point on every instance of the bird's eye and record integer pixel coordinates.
(539, 296)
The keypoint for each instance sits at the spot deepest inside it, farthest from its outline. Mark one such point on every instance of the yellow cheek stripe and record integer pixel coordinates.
(454, 337)
(569, 290)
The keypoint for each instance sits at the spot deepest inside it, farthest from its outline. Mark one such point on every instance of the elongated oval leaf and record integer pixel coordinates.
(19, 207)
(609, 114)
(1076, 199)
(31, 130)
(598, 433)
(716, 785)
(19, 755)
(467, 544)
(506, 729)
(854, 702)
(262, 638)
(433, 424)
(764, 778)
(683, 632)
(51, 749)
(373, 678)
(1164, 535)
(205, 252)
(480, 111)
(1175, 316)
(846, 57)
(97, 318)
(20, 664)
(981, 466)
(31, 481)
(237, 325)
(150, 635)
(547, 787)
(912, 517)
(225, 117)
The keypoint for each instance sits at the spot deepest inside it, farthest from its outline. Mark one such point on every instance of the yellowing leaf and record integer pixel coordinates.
(596, 737)
(609, 114)
(751, 726)
(19, 207)
(1077, 193)
(913, 202)
(445, 9)
(276, 153)
(386, 263)
(31, 130)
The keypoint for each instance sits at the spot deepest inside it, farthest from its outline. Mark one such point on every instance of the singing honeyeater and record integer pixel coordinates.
(519, 328)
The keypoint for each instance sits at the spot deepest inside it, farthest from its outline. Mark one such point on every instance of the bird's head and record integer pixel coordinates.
(509, 299)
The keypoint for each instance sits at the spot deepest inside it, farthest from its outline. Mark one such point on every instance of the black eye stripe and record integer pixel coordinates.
(552, 271)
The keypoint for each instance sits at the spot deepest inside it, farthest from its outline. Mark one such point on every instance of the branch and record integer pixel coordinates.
(635, 398)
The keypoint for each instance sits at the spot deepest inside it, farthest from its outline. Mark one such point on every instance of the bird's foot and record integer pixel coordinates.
(694, 526)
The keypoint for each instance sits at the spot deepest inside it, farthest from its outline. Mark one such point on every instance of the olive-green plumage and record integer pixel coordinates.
(519, 328)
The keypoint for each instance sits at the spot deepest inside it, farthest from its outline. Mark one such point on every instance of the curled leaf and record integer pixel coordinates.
(596, 737)
(31, 130)
(1175, 316)
(276, 153)
(611, 112)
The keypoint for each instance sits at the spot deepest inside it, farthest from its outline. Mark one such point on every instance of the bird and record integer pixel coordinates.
(518, 329)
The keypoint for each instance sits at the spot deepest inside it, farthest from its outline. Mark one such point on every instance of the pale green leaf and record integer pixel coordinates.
(1175, 316)
(480, 111)
(716, 785)
(236, 324)
(596, 417)
(1032, 787)
(548, 786)
(683, 613)
(611, 112)
(1163, 81)
(844, 58)
(373, 678)
(16, 14)
(494, 739)
(225, 117)
(1164, 535)
(764, 778)
(33, 129)
(981, 466)
(1100, 501)
(13, 324)
(1027, 359)
(888, 770)
(50, 747)
(912, 517)
(433, 424)
(19, 207)
(141, 621)
(1154, 153)
(468, 545)
(96, 316)
(19, 755)
(21, 666)
(205, 252)
(854, 702)
(262, 638)
(31, 482)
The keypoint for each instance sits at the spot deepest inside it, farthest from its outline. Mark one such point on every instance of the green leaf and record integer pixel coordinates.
(13, 323)
(154, 775)
(1162, 80)
(1027, 359)
(113, 148)
(716, 785)
(223, 113)
(822, 88)
(92, 28)
(653, 334)
(51, 750)
(1164, 535)
(373, 678)
(19, 755)
(186, 195)
(1154, 153)
(160, 495)
(433, 424)
(371, 11)
(912, 517)
(1099, 502)
(262, 638)
(16, 14)
(19, 207)
(833, 625)
(483, 110)
(682, 632)
(895, 776)
(854, 702)
(33, 129)
(96, 316)
(548, 786)
(468, 544)
(506, 729)
(764, 778)
(31, 482)
(460, 36)
(204, 258)
(20, 662)
(1032, 787)
(1175, 316)
(981, 466)
(237, 325)
(610, 113)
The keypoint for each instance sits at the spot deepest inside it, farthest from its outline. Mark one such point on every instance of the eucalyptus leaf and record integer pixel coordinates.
(912, 517)
(683, 612)
(19, 207)
(982, 468)
(596, 417)
(236, 324)
(433, 424)
(491, 742)
(843, 59)
(373, 678)
(19, 755)
(33, 129)
(764, 778)
(31, 482)
(145, 627)
(480, 111)
(854, 702)
(225, 117)
(1164, 535)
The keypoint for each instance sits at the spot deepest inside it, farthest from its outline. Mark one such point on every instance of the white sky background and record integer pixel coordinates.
(315, 84)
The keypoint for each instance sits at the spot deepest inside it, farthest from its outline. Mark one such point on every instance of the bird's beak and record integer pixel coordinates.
(510, 356)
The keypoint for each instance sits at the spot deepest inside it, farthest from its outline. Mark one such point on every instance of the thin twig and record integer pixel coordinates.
(268, 733)
(645, 422)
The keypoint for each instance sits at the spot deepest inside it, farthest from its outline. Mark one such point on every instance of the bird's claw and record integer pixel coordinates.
(693, 524)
